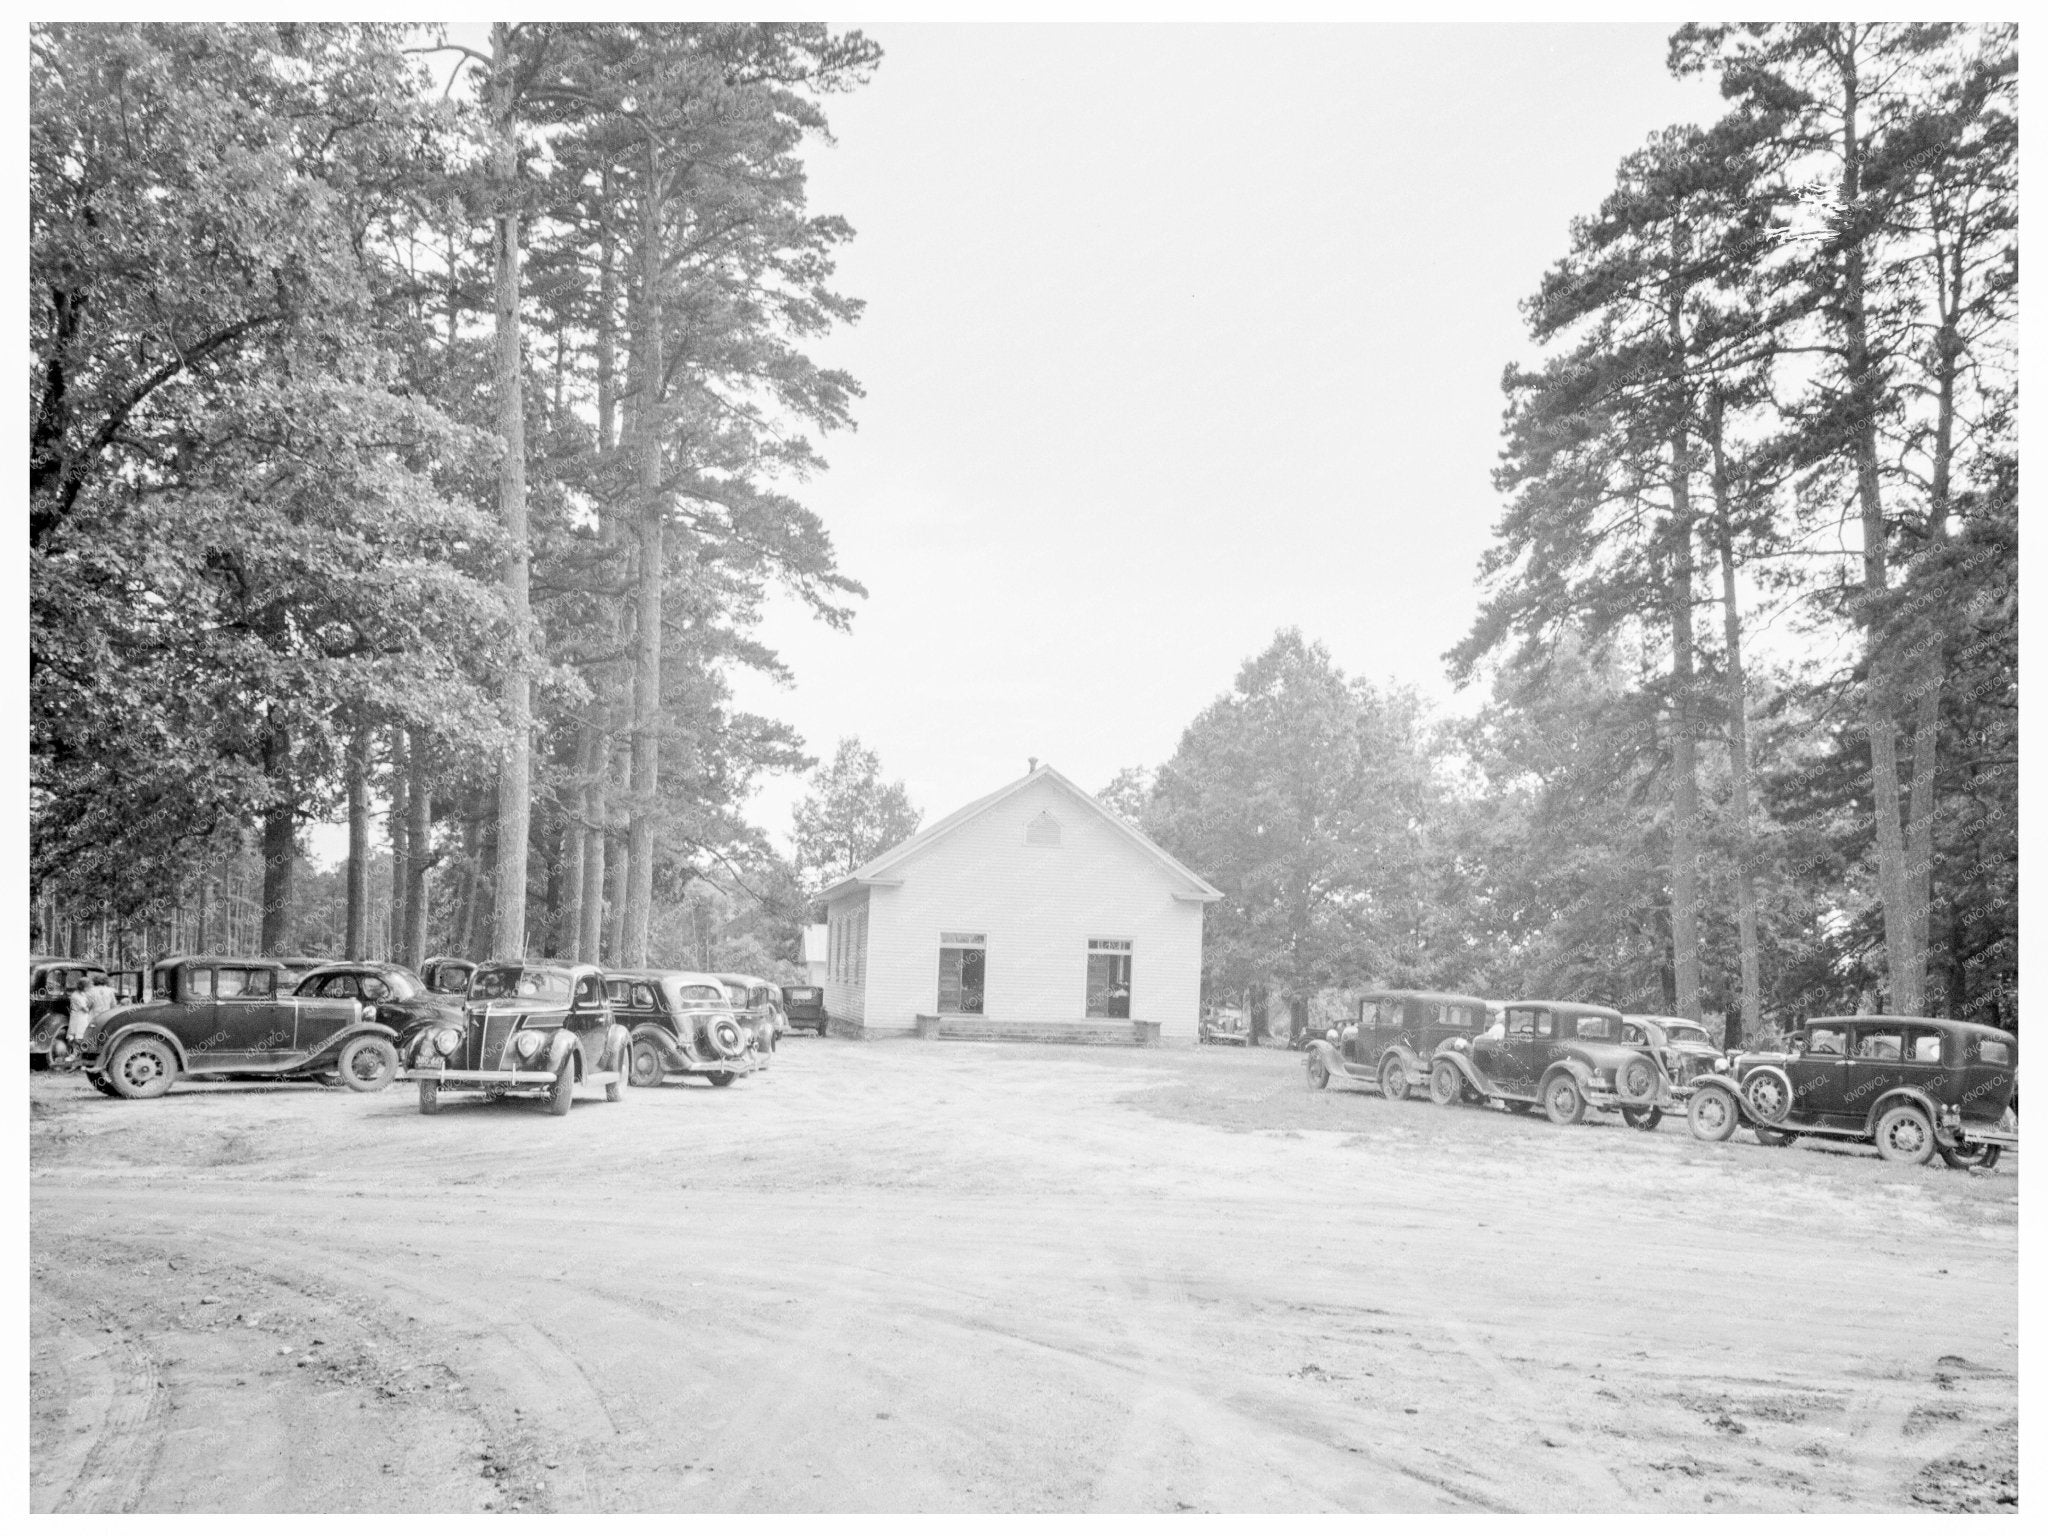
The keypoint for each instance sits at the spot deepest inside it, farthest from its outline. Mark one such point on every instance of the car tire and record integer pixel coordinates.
(1521, 1106)
(39, 1061)
(430, 1096)
(615, 1090)
(1562, 1100)
(1769, 1138)
(1712, 1115)
(720, 1079)
(1641, 1118)
(1984, 1157)
(1767, 1094)
(1393, 1081)
(563, 1093)
(1637, 1080)
(143, 1068)
(645, 1064)
(1905, 1135)
(102, 1084)
(1318, 1070)
(1446, 1084)
(367, 1064)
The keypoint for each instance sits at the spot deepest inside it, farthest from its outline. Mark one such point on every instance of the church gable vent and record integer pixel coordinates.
(1042, 831)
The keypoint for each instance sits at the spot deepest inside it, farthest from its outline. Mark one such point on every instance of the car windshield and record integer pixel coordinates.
(700, 994)
(521, 982)
(1691, 1034)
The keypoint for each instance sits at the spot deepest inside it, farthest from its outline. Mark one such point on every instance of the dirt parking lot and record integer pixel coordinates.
(908, 1275)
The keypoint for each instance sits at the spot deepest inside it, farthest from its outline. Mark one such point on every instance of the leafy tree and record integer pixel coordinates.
(851, 815)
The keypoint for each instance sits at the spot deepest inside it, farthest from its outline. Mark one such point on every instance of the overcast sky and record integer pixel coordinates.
(1177, 336)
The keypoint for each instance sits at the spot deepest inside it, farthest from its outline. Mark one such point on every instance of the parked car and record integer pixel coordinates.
(1394, 1038)
(1685, 1049)
(528, 1026)
(1914, 1087)
(1567, 1057)
(212, 1016)
(296, 966)
(805, 1006)
(390, 994)
(446, 975)
(1225, 1026)
(683, 1025)
(758, 1007)
(51, 981)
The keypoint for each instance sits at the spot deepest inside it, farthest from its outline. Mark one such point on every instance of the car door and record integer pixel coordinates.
(590, 1017)
(1872, 1067)
(1820, 1072)
(1514, 1059)
(1987, 1075)
(254, 1026)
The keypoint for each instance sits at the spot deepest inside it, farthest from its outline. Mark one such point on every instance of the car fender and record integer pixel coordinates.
(1410, 1058)
(562, 1046)
(1467, 1069)
(675, 1052)
(1770, 1069)
(618, 1050)
(1726, 1082)
(123, 1033)
(1326, 1053)
(353, 1031)
(1578, 1071)
(1891, 1098)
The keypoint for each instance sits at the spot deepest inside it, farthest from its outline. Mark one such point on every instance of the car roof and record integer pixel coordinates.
(745, 981)
(1562, 1007)
(1966, 1026)
(270, 960)
(541, 962)
(1421, 997)
(381, 967)
(652, 973)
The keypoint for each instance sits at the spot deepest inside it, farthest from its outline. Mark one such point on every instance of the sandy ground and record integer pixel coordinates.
(912, 1275)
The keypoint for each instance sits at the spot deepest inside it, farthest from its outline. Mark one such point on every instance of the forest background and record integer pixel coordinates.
(425, 456)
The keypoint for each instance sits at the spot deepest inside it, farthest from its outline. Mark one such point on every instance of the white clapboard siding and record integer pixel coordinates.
(1039, 901)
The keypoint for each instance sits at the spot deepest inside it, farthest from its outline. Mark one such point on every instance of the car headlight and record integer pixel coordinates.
(1720, 1063)
(446, 1041)
(529, 1042)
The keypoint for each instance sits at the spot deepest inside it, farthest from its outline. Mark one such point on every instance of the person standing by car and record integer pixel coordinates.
(90, 998)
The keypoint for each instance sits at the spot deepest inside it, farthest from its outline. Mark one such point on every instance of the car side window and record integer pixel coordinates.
(1546, 1025)
(372, 989)
(1992, 1053)
(1522, 1023)
(1825, 1042)
(1593, 1027)
(199, 984)
(338, 986)
(1924, 1046)
(229, 983)
(589, 993)
(1878, 1045)
(643, 995)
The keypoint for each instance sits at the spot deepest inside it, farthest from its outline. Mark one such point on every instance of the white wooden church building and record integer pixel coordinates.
(1031, 911)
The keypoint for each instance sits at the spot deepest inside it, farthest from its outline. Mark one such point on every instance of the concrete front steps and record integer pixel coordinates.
(953, 1026)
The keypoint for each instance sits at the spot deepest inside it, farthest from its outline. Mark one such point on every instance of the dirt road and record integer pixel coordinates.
(909, 1275)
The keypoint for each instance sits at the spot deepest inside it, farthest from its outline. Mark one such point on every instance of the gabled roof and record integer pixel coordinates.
(884, 868)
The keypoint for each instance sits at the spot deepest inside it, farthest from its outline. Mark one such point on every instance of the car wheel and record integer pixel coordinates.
(1521, 1106)
(1394, 1081)
(1446, 1085)
(1904, 1135)
(1982, 1157)
(1318, 1070)
(1712, 1115)
(1637, 1080)
(368, 1063)
(142, 1068)
(563, 1094)
(1768, 1093)
(1563, 1102)
(1642, 1119)
(430, 1096)
(102, 1084)
(1770, 1138)
(615, 1090)
(646, 1064)
(39, 1061)
(719, 1079)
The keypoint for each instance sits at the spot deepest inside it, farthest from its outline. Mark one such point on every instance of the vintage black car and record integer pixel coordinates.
(215, 1016)
(1568, 1057)
(1393, 1040)
(758, 1006)
(527, 1026)
(683, 1025)
(446, 975)
(390, 994)
(1913, 1086)
(51, 981)
(1225, 1026)
(804, 1007)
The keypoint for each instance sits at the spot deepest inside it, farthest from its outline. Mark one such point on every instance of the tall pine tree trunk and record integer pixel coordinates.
(1880, 715)
(399, 832)
(419, 810)
(1685, 794)
(515, 773)
(1748, 1020)
(647, 427)
(356, 943)
(594, 744)
(280, 840)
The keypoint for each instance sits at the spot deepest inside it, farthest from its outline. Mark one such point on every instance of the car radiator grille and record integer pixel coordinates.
(497, 1030)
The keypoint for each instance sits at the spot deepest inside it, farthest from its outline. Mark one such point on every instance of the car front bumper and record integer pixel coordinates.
(458, 1076)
